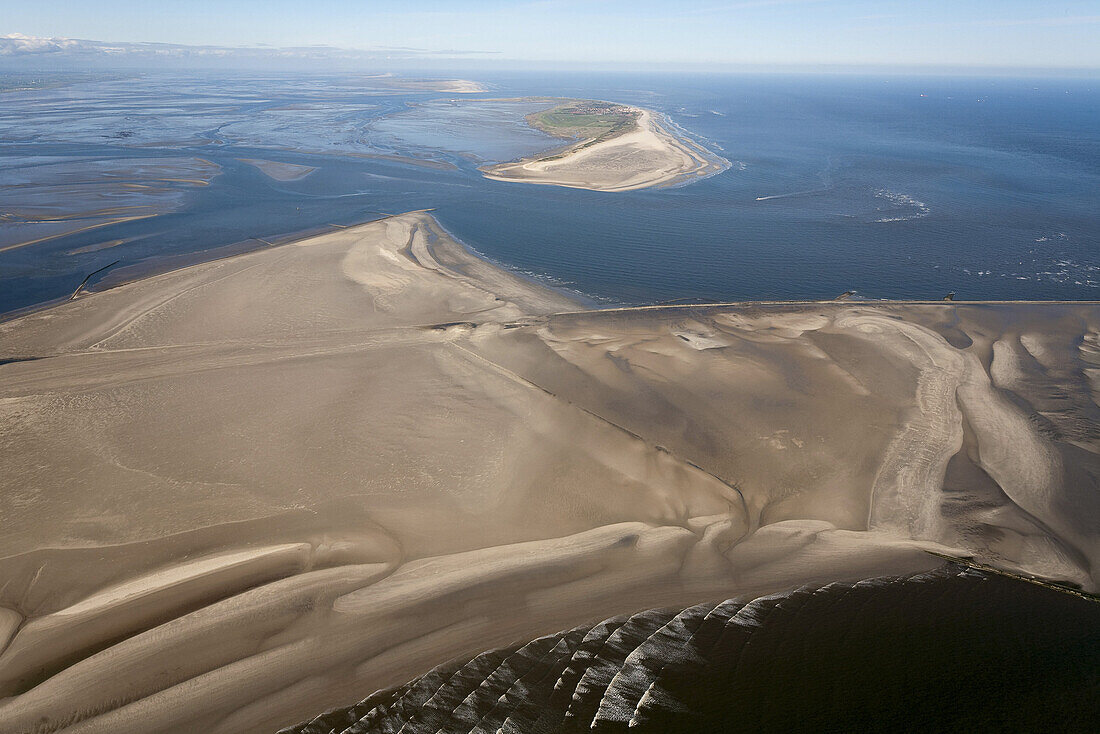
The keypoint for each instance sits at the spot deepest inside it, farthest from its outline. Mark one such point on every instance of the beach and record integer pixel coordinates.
(247, 491)
(644, 156)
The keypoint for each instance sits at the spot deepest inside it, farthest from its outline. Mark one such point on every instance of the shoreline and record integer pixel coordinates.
(154, 267)
(646, 156)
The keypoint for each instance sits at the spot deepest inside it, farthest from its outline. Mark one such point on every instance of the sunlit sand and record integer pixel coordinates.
(644, 156)
(241, 493)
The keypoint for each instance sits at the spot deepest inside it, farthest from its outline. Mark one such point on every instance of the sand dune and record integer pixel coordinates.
(46, 644)
(241, 493)
(647, 156)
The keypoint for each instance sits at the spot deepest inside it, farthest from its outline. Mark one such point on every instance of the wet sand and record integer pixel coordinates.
(279, 170)
(448, 86)
(42, 202)
(647, 156)
(241, 493)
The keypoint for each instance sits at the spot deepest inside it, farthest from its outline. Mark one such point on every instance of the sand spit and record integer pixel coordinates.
(649, 155)
(247, 491)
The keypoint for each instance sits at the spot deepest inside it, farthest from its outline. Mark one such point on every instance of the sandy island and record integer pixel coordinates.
(637, 155)
(241, 493)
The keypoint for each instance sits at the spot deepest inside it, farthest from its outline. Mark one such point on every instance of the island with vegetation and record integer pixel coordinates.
(613, 147)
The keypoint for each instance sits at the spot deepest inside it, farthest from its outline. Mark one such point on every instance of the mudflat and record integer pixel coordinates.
(241, 493)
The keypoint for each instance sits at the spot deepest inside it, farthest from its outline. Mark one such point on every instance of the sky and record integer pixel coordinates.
(942, 33)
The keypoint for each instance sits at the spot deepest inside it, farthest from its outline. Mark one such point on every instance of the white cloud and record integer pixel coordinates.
(18, 44)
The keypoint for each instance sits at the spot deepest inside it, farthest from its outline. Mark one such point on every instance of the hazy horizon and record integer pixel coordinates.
(843, 35)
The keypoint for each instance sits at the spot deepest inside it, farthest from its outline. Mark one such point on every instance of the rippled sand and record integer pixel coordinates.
(241, 493)
(882, 654)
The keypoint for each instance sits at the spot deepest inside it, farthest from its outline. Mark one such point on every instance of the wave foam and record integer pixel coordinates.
(917, 209)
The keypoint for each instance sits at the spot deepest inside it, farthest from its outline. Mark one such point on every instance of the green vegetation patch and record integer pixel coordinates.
(590, 121)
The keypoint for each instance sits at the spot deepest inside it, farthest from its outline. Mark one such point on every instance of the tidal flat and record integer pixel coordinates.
(247, 491)
(934, 193)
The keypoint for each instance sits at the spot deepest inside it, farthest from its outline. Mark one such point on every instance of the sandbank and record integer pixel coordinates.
(244, 492)
(449, 86)
(279, 170)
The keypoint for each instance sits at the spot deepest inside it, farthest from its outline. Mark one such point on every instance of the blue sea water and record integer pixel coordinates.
(895, 187)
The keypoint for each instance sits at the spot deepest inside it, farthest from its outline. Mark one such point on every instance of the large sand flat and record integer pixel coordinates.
(241, 493)
(647, 156)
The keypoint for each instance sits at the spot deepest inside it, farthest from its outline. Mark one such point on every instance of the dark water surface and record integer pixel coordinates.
(895, 187)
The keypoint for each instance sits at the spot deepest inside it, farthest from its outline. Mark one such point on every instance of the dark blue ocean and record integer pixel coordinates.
(894, 187)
